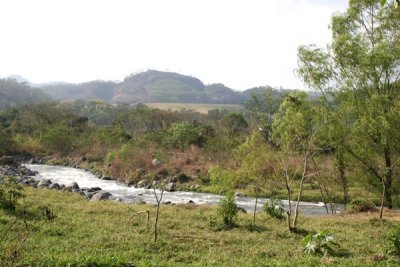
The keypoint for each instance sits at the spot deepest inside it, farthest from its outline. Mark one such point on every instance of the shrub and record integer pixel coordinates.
(274, 208)
(227, 210)
(392, 241)
(361, 205)
(10, 192)
(320, 244)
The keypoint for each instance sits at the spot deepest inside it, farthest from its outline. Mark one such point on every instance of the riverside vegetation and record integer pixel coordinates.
(340, 145)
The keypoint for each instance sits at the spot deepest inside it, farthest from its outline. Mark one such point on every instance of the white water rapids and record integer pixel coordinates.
(67, 175)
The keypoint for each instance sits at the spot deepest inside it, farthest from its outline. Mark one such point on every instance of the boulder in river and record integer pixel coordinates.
(171, 187)
(73, 185)
(55, 186)
(44, 183)
(102, 195)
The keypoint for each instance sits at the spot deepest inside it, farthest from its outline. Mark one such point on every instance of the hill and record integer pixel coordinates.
(148, 87)
(13, 93)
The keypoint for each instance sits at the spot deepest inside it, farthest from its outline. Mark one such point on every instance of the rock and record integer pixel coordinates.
(89, 195)
(102, 195)
(94, 189)
(242, 210)
(191, 202)
(107, 178)
(142, 183)
(156, 162)
(73, 185)
(171, 187)
(238, 194)
(167, 203)
(130, 183)
(55, 186)
(83, 158)
(44, 183)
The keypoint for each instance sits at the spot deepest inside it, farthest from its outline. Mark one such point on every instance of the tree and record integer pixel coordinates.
(362, 67)
(296, 131)
(263, 106)
(234, 123)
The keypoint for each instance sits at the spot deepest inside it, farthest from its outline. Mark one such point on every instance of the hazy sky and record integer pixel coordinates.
(242, 43)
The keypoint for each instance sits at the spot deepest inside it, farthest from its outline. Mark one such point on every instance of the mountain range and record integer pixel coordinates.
(147, 87)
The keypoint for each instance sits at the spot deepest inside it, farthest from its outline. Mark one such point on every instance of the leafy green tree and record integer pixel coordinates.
(234, 123)
(296, 130)
(363, 65)
(263, 106)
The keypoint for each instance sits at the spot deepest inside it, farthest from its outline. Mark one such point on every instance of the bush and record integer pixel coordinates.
(274, 208)
(361, 205)
(10, 192)
(227, 210)
(392, 241)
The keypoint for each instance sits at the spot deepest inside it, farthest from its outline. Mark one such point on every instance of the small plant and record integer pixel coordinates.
(320, 244)
(10, 192)
(274, 208)
(361, 205)
(227, 210)
(392, 242)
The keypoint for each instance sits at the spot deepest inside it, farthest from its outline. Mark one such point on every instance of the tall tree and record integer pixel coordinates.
(362, 65)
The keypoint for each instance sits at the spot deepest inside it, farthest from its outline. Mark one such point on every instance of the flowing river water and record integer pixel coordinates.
(67, 175)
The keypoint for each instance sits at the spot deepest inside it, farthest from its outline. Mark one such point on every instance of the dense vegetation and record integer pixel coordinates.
(341, 146)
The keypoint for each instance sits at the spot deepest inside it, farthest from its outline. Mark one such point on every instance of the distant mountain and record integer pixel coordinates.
(95, 90)
(13, 93)
(149, 87)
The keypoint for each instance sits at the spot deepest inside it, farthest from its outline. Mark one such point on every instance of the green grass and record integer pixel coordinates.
(108, 233)
(201, 108)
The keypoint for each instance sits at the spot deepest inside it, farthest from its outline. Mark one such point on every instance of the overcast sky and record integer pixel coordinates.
(242, 44)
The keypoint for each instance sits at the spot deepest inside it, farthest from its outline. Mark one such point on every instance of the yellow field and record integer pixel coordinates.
(202, 108)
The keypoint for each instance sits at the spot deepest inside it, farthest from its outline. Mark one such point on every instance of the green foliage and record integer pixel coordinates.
(274, 208)
(320, 244)
(10, 192)
(6, 142)
(227, 210)
(392, 241)
(58, 139)
(223, 179)
(361, 205)
(234, 123)
(186, 133)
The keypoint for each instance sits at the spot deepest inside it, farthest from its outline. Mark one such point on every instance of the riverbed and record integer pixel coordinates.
(67, 175)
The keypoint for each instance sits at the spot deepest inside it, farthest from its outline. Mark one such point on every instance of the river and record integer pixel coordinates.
(67, 175)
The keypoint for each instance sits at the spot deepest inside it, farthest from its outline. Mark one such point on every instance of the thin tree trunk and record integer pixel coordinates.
(255, 206)
(388, 178)
(303, 176)
(323, 198)
(158, 200)
(382, 199)
(289, 212)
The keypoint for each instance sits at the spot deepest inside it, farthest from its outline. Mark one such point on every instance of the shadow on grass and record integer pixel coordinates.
(300, 231)
(255, 228)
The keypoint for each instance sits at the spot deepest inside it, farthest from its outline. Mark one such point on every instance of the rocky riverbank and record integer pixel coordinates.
(26, 177)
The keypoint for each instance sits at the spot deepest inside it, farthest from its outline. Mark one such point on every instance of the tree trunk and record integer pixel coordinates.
(289, 212)
(303, 177)
(255, 206)
(343, 179)
(388, 178)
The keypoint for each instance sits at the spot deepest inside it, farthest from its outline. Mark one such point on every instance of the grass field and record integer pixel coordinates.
(113, 234)
(202, 108)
